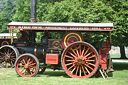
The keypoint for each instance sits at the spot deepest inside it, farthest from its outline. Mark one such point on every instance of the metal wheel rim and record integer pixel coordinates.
(80, 70)
(8, 56)
(27, 65)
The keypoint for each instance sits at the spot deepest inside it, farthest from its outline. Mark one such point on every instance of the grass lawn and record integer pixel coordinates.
(58, 77)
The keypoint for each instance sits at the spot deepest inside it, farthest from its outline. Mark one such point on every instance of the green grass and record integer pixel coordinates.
(50, 77)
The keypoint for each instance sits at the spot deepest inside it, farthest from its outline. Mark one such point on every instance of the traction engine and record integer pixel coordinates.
(77, 57)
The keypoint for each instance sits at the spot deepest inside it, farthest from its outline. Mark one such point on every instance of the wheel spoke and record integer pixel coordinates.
(24, 61)
(22, 70)
(28, 61)
(80, 71)
(31, 61)
(80, 50)
(33, 69)
(87, 70)
(12, 56)
(8, 51)
(72, 54)
(6, 64)
(68, 64)
(87, 55)
(13, 59)
(5, 50)
(90, 60)
(25, 71)
(91, 56)
(11, 53)
(73, 70)
(70, 60)
(32, 64)
(77, 53)
(83, 51)
(71, 67)
(30, 71)
(68, 56)
(83, 70)
(11, 63)
(77, 70)
(86, 52)
(89, 67)
(91, 64)
(2, 53)
(21, 65)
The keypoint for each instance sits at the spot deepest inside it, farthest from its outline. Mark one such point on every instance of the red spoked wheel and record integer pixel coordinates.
(71, 37)
(8, 55)
(82, 62)
(27, 65)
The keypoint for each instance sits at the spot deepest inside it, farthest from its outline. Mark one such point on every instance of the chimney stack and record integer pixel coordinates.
(33, 11)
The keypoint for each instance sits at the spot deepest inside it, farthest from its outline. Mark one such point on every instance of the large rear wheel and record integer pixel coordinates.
(80, 60)
(27, 65)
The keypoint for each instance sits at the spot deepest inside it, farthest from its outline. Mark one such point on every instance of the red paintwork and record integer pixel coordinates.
(71, 38)
(52, 58)
(61, 28)
(32, 64)
(106, 47)
(92, 72)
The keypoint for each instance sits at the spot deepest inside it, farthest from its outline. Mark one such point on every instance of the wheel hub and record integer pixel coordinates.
(26, 66)
(80, 60)
(7, 57)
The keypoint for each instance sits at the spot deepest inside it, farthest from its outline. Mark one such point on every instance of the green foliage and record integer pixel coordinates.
(120, 19)
(22, 11)
(75, 11)
(83, 11)
(6, 14)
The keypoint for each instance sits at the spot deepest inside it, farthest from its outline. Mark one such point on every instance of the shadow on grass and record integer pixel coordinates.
(120, 66)
(50, 73)
(54, 74)
(117, 66)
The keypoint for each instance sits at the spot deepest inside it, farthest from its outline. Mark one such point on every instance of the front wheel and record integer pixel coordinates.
(80, 60)
(27, 65)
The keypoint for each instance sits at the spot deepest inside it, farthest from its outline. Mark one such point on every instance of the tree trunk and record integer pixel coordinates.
(122, 52)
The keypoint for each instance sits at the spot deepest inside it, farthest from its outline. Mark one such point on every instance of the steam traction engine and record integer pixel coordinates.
(78, 58)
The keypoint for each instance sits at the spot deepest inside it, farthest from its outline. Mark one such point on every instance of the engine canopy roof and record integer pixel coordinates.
(61, 26)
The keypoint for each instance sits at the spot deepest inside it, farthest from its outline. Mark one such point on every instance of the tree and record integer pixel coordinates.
(6, 14)
(120, 33)
(84, 11)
